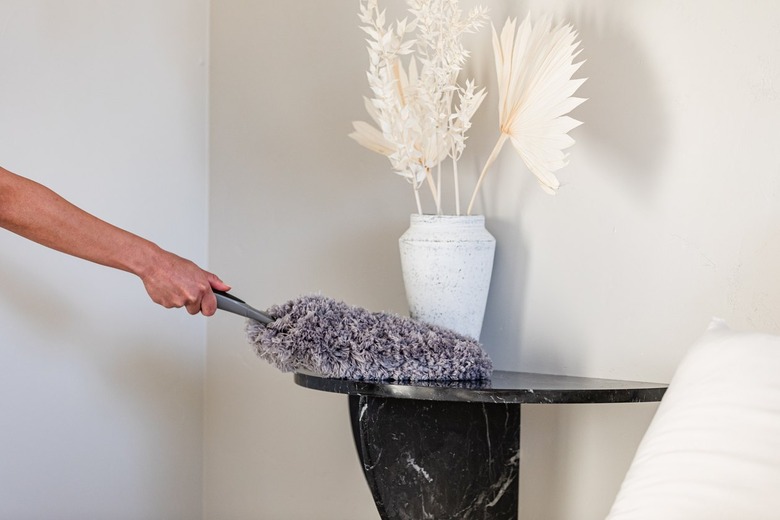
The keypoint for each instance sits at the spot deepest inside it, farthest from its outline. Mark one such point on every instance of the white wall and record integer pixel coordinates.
(295, 209)
(668, 215)
(101, 390)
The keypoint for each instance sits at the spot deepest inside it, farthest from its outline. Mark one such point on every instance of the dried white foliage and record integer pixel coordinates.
(422, 113)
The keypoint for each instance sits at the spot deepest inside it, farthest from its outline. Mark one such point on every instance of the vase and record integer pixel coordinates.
(447, 262)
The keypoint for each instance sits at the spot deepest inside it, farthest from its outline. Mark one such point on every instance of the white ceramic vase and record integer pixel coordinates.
(447, 262)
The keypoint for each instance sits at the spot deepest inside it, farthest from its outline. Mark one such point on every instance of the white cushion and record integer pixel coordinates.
(712, 451)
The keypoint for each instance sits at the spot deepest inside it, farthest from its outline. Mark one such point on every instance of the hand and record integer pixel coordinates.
(173, 281)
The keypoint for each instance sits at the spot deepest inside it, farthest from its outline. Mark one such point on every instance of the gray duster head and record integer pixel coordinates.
(337, 340)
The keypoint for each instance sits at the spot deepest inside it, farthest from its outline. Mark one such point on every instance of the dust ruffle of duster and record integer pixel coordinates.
(337, 340)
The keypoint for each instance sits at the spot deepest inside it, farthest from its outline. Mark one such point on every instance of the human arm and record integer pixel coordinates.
(35, 212)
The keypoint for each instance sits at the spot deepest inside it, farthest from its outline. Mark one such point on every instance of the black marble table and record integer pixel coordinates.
(451, 450)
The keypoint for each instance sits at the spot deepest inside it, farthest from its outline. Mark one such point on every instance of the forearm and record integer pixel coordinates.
(37, 213)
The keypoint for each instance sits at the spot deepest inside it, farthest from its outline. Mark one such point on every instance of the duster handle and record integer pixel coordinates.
(228, 302)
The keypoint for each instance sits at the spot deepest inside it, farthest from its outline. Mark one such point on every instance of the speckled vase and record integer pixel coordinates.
(447, 262)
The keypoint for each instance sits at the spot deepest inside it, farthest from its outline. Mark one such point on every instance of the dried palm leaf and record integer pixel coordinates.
(534, 69)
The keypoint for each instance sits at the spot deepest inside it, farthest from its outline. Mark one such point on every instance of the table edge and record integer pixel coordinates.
(637, 391)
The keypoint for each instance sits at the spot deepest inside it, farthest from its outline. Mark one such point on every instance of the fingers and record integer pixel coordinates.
(208, 305)
(193, 308)
(203, 302)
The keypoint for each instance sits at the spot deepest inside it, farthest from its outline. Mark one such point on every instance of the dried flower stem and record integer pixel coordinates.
(434, 189)
(456, 182)
(417, 199)
(490, 160)
(438, 188)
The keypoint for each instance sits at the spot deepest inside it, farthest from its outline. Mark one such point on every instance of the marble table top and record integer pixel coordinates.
(504, 387)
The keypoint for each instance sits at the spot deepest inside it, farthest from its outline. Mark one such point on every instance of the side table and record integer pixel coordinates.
(451, 450)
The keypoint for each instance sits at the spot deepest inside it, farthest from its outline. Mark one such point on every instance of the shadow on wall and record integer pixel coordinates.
(365, 267)
(624, 116)
(625, 121)
(124, 374)
(501, 330)
(41, 307)
(139, 357)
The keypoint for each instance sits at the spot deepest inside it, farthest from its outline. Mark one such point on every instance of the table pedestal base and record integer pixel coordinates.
(438, 459)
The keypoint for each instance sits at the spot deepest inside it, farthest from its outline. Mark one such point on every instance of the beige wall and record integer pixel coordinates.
(668, 215)
(100, 390)
(295, 209)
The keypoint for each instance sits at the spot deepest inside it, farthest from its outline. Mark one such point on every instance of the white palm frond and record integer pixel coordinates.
(534, 69)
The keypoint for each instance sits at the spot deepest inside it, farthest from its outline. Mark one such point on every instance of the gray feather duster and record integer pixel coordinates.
(337, 340)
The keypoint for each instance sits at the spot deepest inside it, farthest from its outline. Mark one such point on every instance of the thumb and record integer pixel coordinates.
(216, 283)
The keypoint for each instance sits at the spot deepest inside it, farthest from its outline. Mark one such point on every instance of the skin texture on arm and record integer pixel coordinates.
(37, 213)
